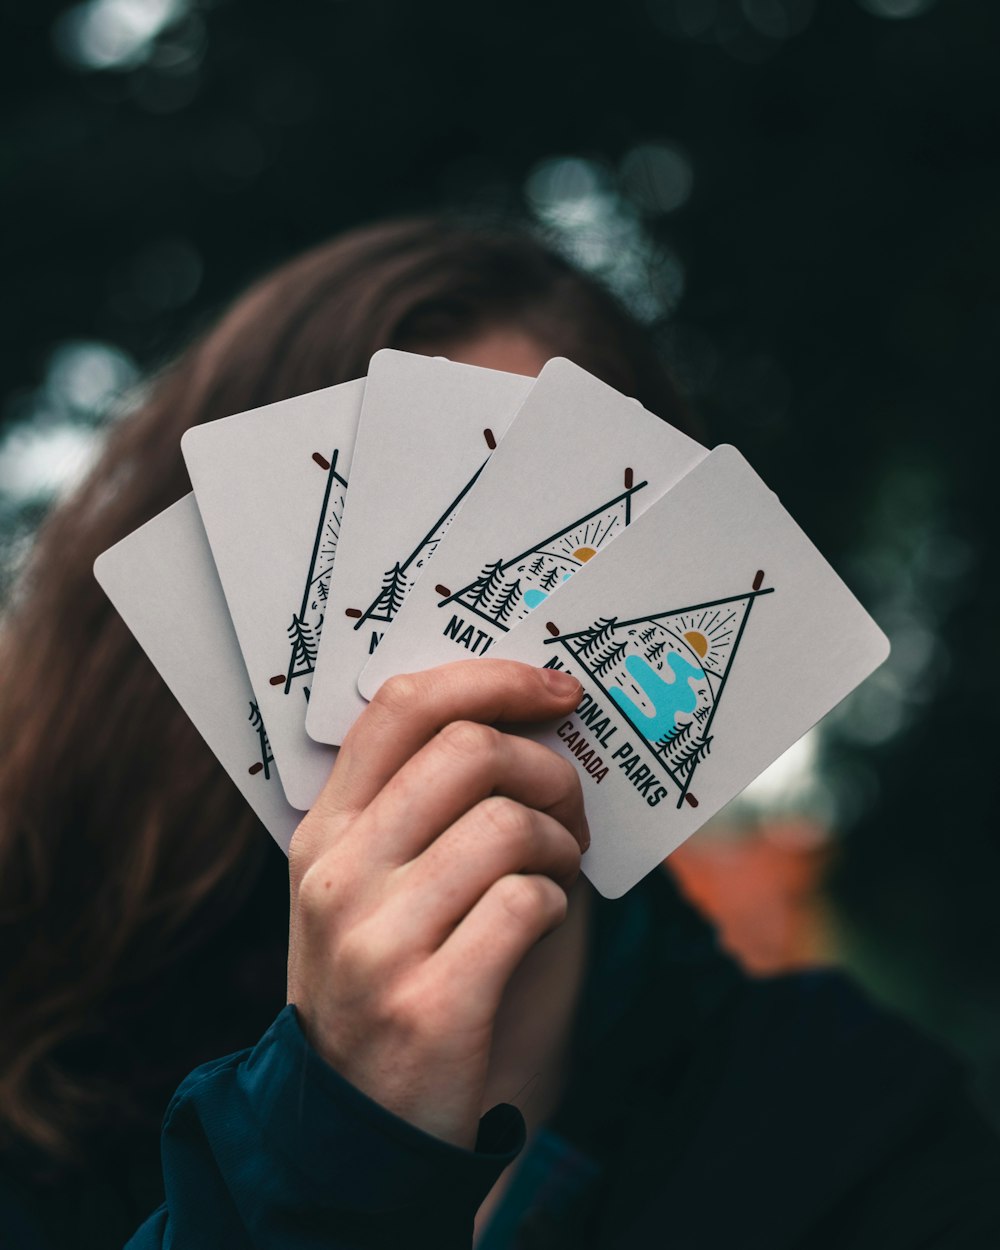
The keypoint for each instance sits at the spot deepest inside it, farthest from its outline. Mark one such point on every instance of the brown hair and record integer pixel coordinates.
(123, 846)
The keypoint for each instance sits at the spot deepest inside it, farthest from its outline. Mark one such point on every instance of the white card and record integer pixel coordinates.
(162, 581)
(579, 463)
(427, 428)
(708, 641)
(270, 486)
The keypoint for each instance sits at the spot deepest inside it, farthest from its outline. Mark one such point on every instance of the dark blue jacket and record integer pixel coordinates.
(704, 1112)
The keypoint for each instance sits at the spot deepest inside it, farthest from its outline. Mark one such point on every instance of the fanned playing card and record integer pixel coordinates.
(578, 464)
(427, 428)
(270, 486)
(162, 580)
(708, 641)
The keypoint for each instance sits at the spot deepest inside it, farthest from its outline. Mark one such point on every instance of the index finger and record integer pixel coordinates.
(410, 709)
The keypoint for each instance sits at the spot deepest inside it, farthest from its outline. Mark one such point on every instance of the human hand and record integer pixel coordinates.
(439, 852)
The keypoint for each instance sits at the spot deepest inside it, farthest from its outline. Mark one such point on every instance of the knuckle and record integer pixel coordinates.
(399, 695)
(349, 959)
(412, 1009)
(360, 958)
(301, 852)
(505, 819)
(568, 776)
(529, 899)
(469, 740)
(316, 838)
(318, 891)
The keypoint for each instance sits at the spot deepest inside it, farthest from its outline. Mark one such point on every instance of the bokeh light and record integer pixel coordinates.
(113, 34)
(583, 211)
(657, 177)
(896, 8)
(52, 434)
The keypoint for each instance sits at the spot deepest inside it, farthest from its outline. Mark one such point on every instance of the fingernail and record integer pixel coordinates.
(585, 830)
(562, 684)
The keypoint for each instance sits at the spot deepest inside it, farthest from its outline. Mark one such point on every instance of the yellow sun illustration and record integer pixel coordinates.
(697, 642)
(583, 554)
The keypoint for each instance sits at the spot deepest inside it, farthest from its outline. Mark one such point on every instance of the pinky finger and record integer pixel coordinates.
(486, 947)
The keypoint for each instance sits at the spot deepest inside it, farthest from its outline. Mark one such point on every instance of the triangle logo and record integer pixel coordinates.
(307, 623)
(507, 590)
(666, 674)
(400, 579)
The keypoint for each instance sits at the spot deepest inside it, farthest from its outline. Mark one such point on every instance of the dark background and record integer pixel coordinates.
(800, 198)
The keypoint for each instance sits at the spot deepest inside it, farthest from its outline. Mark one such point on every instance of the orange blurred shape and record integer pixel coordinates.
(762, 890)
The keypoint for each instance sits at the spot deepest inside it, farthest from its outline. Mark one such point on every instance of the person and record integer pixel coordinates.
(441, 1035)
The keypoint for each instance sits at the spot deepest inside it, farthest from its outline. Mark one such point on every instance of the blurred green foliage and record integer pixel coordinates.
(800, 197)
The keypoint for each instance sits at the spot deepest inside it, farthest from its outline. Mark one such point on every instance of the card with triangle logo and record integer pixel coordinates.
(579, 463)
(162, 580)
(666, 673)
(507, 590)
(428, 426)
(271, 486)
(707, 639)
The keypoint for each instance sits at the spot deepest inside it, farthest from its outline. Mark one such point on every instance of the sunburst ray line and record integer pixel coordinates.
(721, 625)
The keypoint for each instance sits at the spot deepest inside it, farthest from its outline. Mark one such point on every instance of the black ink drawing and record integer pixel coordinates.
(307, 623)
(507, 590)
(673, 714)
(266, 758)
(398, 581)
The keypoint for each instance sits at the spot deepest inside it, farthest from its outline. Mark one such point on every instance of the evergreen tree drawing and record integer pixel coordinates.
(609, 658)
(395, 585)
(504, 606)
(385, 606)
(590, 641)
(673, 737)
(303, 641)
(266, 758)
(562, 552)
(699, 642)
(600, 650)
(687, 760)
(486, 587)
(307, 623)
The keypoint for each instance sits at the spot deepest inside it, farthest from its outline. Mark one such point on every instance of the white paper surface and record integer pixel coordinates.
(270, 485)
(427, 428)
(577, 465)
(714, 633)
(162, 580)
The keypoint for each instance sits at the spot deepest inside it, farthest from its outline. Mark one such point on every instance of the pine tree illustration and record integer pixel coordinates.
(656, 650)
(266, 758)
(504, 606)
(673, 736)
(685, 763)
(395, 584)
(647, 634)
(487, 585)
(303, 641)
(610, 658)
(599, 634)
(537, 565)
(323, 590)
(607, 649)
(550, 579)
